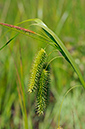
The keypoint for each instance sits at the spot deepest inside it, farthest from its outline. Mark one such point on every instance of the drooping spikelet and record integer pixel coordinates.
(43, 92)
(37, 70)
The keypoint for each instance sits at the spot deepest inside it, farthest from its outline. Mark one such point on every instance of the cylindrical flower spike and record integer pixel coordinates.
(42, 92)
(37, 70)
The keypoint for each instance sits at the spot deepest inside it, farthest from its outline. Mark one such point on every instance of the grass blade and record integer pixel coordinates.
(8, 42)
(61, 47)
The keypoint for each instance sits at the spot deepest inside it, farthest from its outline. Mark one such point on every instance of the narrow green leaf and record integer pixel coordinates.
(8, 42)
(62, 48)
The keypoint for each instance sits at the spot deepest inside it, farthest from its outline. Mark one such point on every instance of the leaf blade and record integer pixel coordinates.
(8, 42)
(63, 49)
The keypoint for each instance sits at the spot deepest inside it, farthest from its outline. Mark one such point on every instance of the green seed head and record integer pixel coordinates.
(36, 70)
(42, 92)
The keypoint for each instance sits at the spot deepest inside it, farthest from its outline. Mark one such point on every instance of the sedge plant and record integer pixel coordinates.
(39, 78)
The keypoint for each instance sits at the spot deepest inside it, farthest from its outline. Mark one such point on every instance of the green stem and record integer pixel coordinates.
(63, 101)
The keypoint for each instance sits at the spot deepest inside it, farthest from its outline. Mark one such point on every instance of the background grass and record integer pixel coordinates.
(67, 19)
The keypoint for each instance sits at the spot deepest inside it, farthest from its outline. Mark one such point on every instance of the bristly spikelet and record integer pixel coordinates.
(37, 70)
(42, 92)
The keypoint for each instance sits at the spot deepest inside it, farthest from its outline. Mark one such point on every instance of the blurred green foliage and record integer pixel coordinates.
(67, 19)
